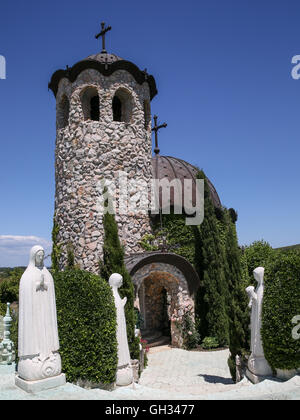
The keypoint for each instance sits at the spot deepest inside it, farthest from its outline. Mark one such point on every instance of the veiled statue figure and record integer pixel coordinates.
(257, 364)
(38, 342)
(124, 371)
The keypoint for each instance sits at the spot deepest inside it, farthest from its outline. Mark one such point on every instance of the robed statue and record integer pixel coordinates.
(257, 364)
(38, 342)
(124, 370)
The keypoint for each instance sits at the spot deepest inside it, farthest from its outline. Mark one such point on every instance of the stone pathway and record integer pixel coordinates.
(187, 372)
(172, 374)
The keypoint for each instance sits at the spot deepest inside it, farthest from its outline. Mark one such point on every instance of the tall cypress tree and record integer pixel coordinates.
(209, 262)
(113, 262)
(237, 304)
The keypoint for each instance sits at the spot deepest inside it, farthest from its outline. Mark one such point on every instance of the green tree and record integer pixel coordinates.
(56, 247)
(237, 308)
(212, 295)
(9, 286)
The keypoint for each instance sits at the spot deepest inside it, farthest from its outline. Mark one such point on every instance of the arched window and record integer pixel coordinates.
(95, 114)
(63, 110)
(122, 106)
(90, 104)
(117, 109)
(147, 114)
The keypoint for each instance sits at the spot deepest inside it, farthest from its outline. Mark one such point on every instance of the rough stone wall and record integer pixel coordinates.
(88, 151)
(149, 282)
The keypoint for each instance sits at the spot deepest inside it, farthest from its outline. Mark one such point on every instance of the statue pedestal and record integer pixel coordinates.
(124, 376)
(40, 385)
(256, 379)
(258, 369)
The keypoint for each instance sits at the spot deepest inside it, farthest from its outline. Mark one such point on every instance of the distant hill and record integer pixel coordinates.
(9, 273)
(8, 270)
(287, 248)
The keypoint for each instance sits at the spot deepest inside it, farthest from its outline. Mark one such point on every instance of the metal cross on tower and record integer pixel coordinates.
(102, 33)
(155, 129)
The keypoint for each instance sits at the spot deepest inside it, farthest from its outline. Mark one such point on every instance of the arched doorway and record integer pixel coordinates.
(155, 298)
(165, 286)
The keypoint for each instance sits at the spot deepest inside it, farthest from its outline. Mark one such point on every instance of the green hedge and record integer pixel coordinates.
(87, 326)
(255, 255)
(281, 304)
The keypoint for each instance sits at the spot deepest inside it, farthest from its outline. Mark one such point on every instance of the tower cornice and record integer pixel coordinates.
(106, 69)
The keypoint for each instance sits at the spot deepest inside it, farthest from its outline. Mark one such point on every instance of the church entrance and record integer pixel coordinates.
(165, 286)
(162, 299)
(155, 300)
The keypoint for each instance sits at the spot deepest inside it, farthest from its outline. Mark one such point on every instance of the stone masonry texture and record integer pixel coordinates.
(90, 151)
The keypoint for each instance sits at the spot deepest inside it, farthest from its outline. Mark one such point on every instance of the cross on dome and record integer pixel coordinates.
(155, 129)
(102, 34)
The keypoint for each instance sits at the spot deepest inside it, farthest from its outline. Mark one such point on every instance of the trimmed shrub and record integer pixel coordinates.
(281, 303)
(87, 326)
(210, 343)
(257, 255)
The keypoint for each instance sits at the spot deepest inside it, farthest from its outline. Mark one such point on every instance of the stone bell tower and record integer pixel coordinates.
(103, 127)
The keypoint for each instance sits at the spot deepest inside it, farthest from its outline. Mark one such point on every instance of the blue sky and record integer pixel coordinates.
(223, 72)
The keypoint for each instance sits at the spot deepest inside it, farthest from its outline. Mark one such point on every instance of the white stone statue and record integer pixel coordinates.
(257, 364)
(38, 342)
(124, 370)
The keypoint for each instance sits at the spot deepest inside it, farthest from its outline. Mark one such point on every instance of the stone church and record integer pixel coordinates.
(103, 121)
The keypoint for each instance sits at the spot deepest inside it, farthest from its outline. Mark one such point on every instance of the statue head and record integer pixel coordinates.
(258, 274)
(116, 280)
(37, 255)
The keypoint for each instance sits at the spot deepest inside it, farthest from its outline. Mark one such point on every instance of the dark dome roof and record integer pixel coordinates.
(106, 64)
(167, 167)
(104, 58)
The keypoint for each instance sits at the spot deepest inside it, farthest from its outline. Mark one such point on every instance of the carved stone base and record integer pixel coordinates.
(259, 366)
(41, 385)
(34, 369)
(256, 379)
(124, 376)
(258, 369)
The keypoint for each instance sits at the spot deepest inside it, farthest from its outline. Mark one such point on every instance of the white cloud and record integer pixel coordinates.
(14, 249)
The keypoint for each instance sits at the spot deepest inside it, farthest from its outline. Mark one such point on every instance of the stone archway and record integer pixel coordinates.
(162, 297)
(156, 274)
(155, 303)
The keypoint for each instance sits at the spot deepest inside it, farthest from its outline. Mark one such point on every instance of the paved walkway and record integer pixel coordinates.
(187, 372)
(172, 374)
